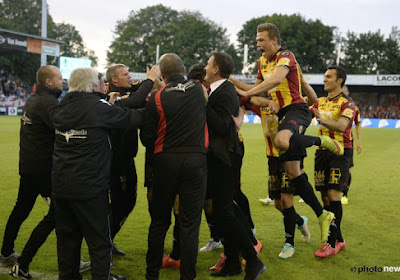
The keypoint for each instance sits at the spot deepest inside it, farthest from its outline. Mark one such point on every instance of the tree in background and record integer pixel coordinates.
(311, 41)
(370, 53)
(73, 43)
(187, 34)
(26, 16)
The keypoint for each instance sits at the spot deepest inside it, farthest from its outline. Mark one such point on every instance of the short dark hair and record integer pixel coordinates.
(224, 62)
(340, 73)
(272, 29)
(196, 72)
(171, 64)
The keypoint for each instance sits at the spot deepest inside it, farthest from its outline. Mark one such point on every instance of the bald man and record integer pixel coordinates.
(35, 160)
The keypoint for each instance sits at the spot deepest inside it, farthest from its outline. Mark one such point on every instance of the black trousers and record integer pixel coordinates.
(30, 186)
(184, 174)
(78, 219)
(230, 221)
(123, 192)
(37, 238)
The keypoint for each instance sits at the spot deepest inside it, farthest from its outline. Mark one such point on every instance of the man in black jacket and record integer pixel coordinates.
(35, 164)
(123, 183)
(221, 157)
(81, 164)
(175, 129)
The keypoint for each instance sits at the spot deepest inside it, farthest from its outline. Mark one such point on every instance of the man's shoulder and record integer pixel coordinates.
(227, 85)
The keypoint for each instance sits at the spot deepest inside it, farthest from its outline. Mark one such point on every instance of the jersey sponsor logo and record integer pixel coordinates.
(72, 134)
(25, 119)
(271, 125)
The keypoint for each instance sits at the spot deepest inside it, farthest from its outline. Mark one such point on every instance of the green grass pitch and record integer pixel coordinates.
(371, 221)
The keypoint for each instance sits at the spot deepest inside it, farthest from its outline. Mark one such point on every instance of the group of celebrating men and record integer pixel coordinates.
(78, 154)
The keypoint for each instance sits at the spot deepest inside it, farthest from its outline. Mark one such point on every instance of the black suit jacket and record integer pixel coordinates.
(223, 139)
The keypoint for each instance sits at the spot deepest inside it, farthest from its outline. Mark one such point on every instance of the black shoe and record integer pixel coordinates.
(254, 272)
(227, 272)
(116, 277)
(117, 252)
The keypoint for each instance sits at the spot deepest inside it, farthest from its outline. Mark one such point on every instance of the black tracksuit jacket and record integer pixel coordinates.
(37, 132)
(125, 141)
(82, 152)
(173, 118)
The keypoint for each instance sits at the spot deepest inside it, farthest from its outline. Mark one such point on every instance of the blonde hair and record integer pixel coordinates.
(83, 79)
(112, 71)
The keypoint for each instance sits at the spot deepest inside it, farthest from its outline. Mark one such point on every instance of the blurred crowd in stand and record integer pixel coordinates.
(386, 111)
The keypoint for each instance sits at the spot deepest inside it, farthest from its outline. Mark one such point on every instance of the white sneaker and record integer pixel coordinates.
(266, 201)
(211, 245)
(84, 266)
(287, 251)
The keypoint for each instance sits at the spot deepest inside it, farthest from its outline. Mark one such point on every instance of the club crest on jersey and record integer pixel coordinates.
(285, 53)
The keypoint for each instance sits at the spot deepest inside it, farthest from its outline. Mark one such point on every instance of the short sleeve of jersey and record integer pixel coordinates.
(286, 59)
(348, 110)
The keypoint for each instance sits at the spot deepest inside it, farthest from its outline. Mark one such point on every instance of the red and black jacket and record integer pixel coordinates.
(175, 118)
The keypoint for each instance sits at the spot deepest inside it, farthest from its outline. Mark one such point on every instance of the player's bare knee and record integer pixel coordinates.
(278, 204)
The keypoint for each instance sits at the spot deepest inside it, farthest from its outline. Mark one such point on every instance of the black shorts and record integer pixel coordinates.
(331, 171)
(278, 182)
(296, 118)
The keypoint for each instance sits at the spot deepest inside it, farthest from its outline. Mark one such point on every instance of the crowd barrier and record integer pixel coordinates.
(365, 122)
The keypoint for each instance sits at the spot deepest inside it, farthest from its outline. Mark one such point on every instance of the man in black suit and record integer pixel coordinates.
(223, 150)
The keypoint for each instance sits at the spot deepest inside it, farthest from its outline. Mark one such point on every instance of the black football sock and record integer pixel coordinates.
(299, 220)
(327, 207)
(306, 192)
(300, 141)
(336, 208)
(339, 215)
(289, 220)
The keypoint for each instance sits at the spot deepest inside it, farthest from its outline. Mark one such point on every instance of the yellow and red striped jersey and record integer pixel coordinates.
(289, 91)
(269, 123)
(341, 106)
